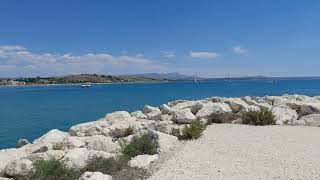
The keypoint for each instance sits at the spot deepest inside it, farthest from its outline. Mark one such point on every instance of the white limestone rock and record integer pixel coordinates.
(72, 142)
(52, 137)
(103, 143)
(78, 158)
(8, 155)
(309, 120)
(166, 117)
(117, 116)
(183, 115)
(166, 142)
(173, 103)
(52, 154)
(284, 115)
(94, 176)
(139, 115)
(91, 128)
(153, 113)
(19, 167)
(165, 126)
(143, 161)
(214, 108)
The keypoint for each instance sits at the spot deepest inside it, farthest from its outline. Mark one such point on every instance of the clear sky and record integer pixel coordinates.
(206, 37)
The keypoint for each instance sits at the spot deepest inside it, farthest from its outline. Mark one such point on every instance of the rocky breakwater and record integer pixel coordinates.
(105, 137)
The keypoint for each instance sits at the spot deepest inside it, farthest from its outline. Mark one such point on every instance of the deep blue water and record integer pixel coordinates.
(29, 112)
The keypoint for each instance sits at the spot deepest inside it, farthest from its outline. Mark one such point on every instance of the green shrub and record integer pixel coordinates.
(192, 131)
(261, 118)
(145, 144)
(107, 165)
(52, 170)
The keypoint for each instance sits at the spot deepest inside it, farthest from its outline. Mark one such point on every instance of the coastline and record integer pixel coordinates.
(102, 136)
(78, 84)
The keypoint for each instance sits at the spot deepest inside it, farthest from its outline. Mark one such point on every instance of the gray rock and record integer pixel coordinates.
(237, 105)
(22, 142)
(165, 109)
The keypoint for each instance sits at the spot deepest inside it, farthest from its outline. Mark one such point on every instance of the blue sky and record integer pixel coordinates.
(205, 37)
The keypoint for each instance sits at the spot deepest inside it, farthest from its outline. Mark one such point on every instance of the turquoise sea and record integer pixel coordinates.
(29, 112)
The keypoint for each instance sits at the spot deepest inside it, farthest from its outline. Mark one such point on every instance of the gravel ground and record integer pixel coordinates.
(229, 151)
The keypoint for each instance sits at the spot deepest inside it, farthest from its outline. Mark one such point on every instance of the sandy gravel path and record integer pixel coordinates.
(228, 151)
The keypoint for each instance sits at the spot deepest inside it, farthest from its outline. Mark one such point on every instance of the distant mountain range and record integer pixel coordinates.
(165, 76)
(182, 77)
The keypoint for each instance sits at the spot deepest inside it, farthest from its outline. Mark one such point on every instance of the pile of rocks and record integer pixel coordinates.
(102, 138)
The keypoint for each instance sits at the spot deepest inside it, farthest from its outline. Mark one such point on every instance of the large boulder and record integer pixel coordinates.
(238, 105)
(284, 115)
(8, 155)
(103, 143)
(72, 142)
(183, 115)
(117, 116)
(194, 106)
(19, 167)
(94, 176)
(89, 128)
(52, 137)
(152, 113)
(78, 158)
(143, 161)
(309, 120)
(166, 142)
(213, 109)
(51, 154)
(139, 115)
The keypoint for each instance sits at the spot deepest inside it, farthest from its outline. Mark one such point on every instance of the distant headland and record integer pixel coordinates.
(129, 78)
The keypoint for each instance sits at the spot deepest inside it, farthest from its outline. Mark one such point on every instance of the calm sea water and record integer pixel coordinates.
(29, 112)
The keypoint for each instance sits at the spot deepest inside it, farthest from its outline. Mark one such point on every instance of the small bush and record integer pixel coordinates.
(192, 131)
(128, 131)
(145, 144)
(107, 165)
(261, 118)
(52, 170)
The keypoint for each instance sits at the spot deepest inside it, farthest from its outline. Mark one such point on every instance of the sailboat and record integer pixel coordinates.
(195, 78)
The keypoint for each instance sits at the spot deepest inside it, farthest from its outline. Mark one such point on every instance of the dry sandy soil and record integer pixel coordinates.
(228, 151)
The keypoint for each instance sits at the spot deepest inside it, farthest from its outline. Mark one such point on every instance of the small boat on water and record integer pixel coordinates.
(85, 85)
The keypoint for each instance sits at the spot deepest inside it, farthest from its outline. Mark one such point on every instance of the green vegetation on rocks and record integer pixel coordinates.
(52, 170)
(261, 118)
(190, 131)
(144, 144)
